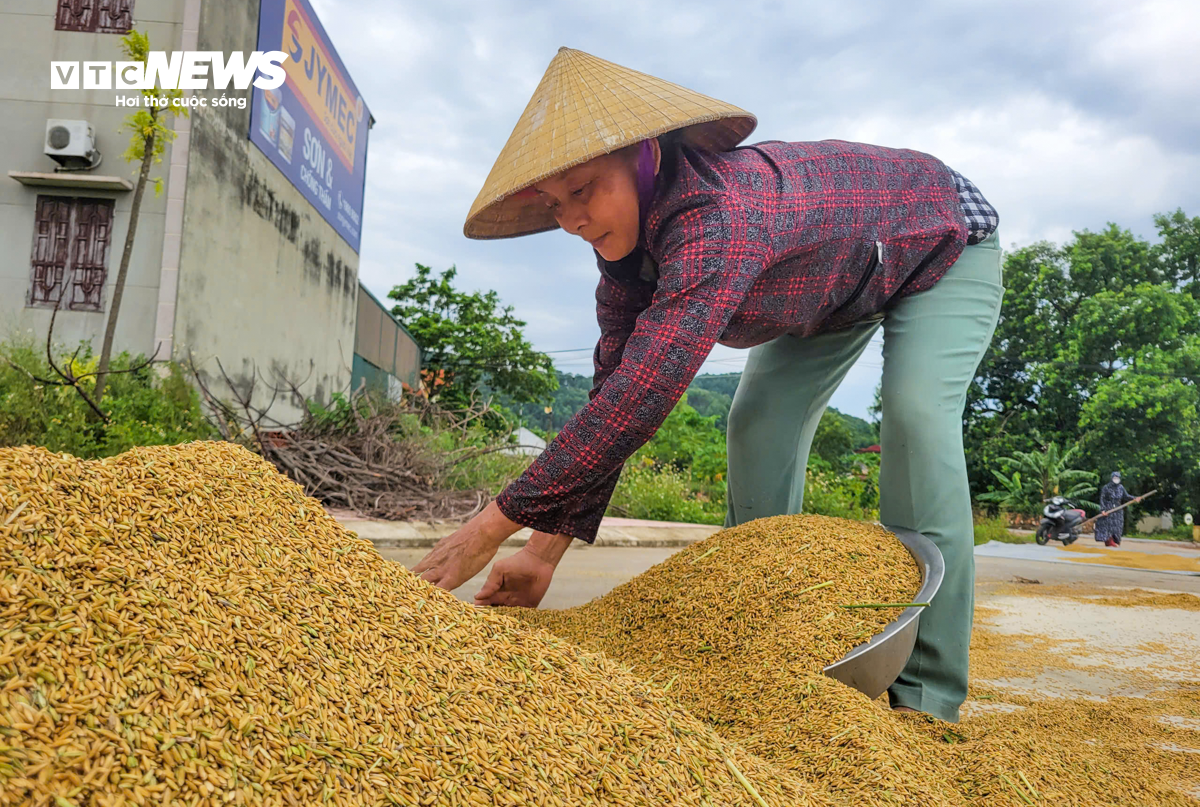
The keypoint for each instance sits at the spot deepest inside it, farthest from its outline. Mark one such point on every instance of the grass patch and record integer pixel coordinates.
(1181, 532)
(995, 528)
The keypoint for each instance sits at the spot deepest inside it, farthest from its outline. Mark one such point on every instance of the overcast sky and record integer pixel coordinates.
(1067, 115)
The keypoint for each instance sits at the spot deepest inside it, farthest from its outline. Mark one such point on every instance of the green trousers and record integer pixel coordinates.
(933, 342)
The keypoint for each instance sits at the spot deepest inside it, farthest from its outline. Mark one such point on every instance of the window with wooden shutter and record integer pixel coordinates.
(71, 238)
(89, 253)
(95, 16)
(51, 241)
(114, 16)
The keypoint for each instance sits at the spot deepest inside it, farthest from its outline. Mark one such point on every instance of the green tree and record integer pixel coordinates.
(150, 133)
(688, 442)
(570, 396)
(875, 410)
(469, 339)
(710, 403)
(721, 383)
(862, 433)
(1148, 428)
(833, 440)
(1096, 345)
(1179, 250)
(1013, 494)
(709, 395)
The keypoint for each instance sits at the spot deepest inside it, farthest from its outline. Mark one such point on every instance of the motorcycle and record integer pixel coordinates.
(1061, 521)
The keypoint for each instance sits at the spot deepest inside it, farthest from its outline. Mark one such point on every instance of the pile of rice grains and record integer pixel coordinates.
(752, 672)
(181, 626)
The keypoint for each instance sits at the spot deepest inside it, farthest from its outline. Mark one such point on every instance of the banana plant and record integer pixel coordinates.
(1012, 495)
(1051, 473)
(1046, 473)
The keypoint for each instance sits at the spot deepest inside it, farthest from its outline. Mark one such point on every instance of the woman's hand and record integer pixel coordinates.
(522, 580)
(461, 555)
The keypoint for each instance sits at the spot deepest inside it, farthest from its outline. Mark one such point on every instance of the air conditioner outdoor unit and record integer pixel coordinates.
(72, 143)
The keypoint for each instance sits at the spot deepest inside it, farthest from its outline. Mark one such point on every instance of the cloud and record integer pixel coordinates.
(1067, 115)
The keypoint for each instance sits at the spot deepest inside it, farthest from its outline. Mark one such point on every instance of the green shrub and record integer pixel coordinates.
(145, 407)
(831, 494)
(853, 494)
(492, 471)
(689, 443)
(1180, 532)
(662, 494)
(995, 528)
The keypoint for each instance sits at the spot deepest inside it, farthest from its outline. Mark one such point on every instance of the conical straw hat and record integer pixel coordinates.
(585, 107)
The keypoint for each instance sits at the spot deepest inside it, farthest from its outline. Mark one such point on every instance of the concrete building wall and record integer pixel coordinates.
(265, 285)
(26, 102)
(1149, 523)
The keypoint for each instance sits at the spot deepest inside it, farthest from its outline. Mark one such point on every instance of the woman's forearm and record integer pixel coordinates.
(549, 548)
(493, 523)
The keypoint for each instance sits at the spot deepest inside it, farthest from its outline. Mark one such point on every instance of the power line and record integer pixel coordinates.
(487, 361)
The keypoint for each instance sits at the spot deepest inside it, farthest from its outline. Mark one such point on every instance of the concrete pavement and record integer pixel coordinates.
(613, 532)
(584, 573)
(1162, 557)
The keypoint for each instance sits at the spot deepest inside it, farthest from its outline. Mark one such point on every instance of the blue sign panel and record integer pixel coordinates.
(314, 126)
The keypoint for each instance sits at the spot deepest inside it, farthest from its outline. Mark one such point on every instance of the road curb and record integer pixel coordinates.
(423, 535)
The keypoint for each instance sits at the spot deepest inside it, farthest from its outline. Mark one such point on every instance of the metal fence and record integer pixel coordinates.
(383, 345)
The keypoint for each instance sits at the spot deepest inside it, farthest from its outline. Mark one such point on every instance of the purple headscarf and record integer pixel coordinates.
(645, 181)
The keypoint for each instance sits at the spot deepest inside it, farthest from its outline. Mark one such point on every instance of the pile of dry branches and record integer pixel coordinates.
(361, 458)
(366, 469)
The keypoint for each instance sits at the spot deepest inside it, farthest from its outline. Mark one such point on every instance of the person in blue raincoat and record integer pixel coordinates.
(1110, 528)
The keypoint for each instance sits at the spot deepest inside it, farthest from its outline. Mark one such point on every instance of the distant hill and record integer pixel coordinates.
(863, 433)
(713, 394)
(721, 383)
(708, 394)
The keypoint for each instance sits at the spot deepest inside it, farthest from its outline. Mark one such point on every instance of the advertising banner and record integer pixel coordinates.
(314, 126)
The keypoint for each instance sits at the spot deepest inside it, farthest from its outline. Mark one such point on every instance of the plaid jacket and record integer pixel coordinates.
(743, 247)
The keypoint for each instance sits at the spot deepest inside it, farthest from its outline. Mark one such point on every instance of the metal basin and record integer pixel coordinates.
(874, 665)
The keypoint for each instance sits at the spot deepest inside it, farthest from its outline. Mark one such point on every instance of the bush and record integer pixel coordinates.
(829, 494)
(1180, 532)
(995, 528)
(145, 407)
(662, 494)
(689, 443)
(492, 471)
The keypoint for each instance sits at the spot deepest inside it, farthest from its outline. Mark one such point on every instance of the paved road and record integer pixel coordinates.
(588, 572)
(584, 573)
(989, 571)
